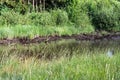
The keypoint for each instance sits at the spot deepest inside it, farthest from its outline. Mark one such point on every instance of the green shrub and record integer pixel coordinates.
(60, 17)
(24, 20)
(9, 17)
(13, 18)
(43, 18)
(78, 15)
(102, 14)
(21, 8)
(105, 16)
(15, 5)
(105, 19)
(2, 22)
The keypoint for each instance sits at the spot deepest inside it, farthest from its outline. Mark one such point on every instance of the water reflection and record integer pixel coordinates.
(61, 48)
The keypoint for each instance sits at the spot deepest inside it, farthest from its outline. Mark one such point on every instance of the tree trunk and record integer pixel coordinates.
(40, 5)
(36, 6)
(44, 5)
(33, 5)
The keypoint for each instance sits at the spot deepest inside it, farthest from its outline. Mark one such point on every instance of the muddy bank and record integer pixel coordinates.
(46, 39)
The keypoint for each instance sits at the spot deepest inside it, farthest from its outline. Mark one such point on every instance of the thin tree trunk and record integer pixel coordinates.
(36, 6)
(44, 5)
(28, 2)
(33, 5)
(40, 5)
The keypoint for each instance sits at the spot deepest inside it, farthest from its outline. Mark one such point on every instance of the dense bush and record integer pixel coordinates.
(16, 5)
(105, 19)
(104, 15)
(43, 18)
(78, 15)
(13, 18)
(100, 14)
(9, 17)
(60, 17)
(55, 17)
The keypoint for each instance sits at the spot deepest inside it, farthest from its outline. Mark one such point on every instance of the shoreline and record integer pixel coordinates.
(47, 39)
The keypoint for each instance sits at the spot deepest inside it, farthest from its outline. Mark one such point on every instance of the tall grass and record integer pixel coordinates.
(19, 62)
(79, 67)
(32, 31)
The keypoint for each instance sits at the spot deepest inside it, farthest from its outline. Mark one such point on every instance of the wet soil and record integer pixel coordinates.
(47, 39)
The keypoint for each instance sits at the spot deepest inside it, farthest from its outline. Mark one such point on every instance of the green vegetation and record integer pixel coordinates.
(95, 67)
(78, 14)
(34, 31)
(60, 61)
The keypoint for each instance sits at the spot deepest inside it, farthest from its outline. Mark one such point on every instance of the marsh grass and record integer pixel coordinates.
(32, 31)
(82, 67)
(87, 62)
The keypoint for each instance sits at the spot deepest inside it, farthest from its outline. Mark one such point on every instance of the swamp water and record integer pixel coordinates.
(60, 48)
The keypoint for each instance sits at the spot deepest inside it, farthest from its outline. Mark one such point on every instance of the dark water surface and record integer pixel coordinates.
(60, 48)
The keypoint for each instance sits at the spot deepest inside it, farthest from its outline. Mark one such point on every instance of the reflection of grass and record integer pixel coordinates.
(32, 31)
(87, 63)
(84, 67)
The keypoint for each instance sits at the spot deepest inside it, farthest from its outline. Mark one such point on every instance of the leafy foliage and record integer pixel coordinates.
(43, 18)
(99, 14)
(104, 15)
(60, 17)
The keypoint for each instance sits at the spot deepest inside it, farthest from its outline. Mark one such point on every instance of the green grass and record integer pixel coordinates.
(32, 31)
(88, 61)
(82, 67)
